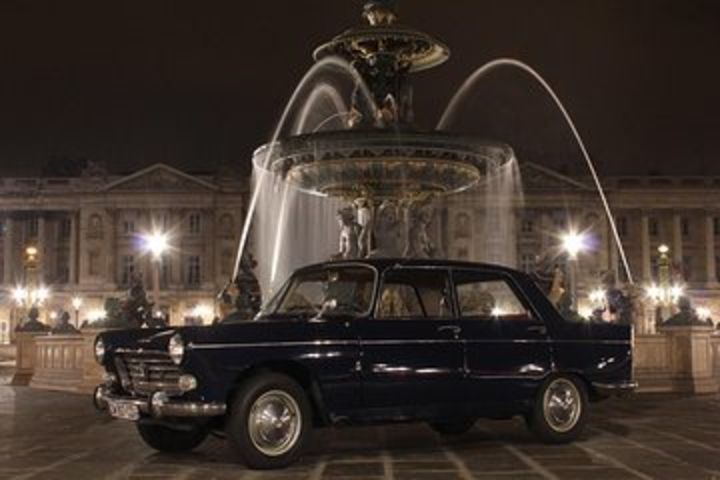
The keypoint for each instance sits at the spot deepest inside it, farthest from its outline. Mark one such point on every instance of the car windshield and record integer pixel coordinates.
(335, 290)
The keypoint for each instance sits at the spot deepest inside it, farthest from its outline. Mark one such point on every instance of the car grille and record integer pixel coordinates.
(144, 372)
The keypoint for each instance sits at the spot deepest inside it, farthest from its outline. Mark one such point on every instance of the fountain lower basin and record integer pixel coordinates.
(382, 164)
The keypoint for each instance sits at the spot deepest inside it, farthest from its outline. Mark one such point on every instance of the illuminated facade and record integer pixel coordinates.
(87, 231)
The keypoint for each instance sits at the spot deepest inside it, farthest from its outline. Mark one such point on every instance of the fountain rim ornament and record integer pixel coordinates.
(381, 155)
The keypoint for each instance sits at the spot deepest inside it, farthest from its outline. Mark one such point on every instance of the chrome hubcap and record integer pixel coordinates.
(274, 423)
(562, 405)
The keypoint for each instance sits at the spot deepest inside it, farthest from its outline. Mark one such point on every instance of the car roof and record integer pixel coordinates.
(383, 263)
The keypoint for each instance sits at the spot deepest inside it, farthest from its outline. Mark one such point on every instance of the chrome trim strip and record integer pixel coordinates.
(330, 343)
(618, 387)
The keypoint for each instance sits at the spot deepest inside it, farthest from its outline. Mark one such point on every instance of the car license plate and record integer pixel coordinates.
(123, 409)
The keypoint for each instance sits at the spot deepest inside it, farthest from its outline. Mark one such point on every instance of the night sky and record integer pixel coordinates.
(196, 84)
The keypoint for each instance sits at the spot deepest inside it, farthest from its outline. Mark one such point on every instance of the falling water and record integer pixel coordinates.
(279, 214)
(501, 194)
(481, 72)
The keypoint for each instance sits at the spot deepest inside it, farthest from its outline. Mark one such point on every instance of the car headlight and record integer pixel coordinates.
(99, 350)
(176, 348)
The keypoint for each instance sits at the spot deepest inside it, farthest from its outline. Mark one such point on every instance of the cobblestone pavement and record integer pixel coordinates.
(45, 435)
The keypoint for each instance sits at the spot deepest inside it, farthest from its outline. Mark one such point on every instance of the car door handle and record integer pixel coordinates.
(450, 328)
(540, 329)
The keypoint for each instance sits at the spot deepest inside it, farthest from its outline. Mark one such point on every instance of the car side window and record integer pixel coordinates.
(488, 296)
(414, 293)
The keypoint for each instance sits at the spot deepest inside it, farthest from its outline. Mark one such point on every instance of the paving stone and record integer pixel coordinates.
(47, 435)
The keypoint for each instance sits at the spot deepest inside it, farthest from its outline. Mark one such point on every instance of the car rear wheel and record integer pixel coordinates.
(453, 427)
(560, 411)
(270, 421)
(166, 439)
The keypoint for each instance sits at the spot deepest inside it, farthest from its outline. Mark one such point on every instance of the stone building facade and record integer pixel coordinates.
(88, 233)
(682, 213)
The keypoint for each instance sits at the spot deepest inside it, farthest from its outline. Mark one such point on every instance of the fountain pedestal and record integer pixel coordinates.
(690, 350)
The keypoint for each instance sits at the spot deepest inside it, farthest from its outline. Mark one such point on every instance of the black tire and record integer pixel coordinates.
(559, 423)
(246, 444)
(166, 439)
(453, 427)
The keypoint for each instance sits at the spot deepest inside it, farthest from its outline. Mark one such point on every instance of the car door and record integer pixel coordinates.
(412, 358)
(506, 344)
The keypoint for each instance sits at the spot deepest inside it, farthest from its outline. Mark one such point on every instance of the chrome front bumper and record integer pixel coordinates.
(160, 405)
(614, 389)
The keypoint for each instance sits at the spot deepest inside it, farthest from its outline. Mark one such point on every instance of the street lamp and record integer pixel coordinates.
(573, 243)
(77, 303)
(156, 243)
(664, 294)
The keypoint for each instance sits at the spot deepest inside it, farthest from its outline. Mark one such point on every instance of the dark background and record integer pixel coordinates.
(197, 84)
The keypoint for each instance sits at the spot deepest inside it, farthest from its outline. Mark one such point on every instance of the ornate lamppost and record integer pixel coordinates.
(573, 243)
(156, 243)
(664, 293)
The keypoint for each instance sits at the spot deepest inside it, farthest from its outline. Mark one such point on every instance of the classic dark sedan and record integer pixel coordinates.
(361, 342)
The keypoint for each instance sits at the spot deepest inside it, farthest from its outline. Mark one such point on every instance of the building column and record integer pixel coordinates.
(711, 272)
(606, 242)
(73, 262)
(42, 248)
(8, 254)
(677, 246)
(645, 243)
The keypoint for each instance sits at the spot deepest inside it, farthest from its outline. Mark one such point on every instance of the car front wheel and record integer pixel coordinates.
(270, 421)
(166, 439)
(560, 411)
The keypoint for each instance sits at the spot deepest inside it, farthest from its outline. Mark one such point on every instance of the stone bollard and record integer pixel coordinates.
(691, 358)
(25, 360)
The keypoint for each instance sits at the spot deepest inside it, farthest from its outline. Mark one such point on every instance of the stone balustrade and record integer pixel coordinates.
(677, 359)
(58, 362)
(66, 362)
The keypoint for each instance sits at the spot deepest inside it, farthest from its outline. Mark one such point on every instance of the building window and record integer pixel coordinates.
(128, 269)
(226, 263)
(716, 226)
(654, 227)
(33, 227)
(686, 268)
(93, 263)
(685, 227)
(717, 268)
(622, 226)
(462, 253)
(128, 227)
(462, 225)
(65, 228)
(194, 223)
(193, 270)
(527, 262)
(527, 225)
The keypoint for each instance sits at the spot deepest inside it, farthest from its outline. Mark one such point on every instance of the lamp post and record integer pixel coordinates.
(77, 303)
(572, 244)
(664, 294)
(156, 244)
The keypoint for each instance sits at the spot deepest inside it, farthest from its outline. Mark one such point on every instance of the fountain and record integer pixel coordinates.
(347, 156)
